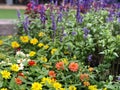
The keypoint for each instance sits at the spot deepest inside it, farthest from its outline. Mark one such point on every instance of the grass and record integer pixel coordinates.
(9, 14)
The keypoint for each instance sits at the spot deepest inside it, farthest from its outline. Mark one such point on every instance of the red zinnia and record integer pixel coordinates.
(59, 65)
(18, 81)
(31, 63)
(21, 74)
(73, 66)
(52, 73)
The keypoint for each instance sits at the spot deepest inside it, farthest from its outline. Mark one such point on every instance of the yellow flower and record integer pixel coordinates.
(46, 47)
(92, 87)
(44, 59)
(65, 61)
(32, 53)
(72, 87)
(53, 51)
(1, 42)
(40, 44)
(61, 88)
(24, 39)
(46, 80)
(15, 44)
(3, 89)
(104, 88)
(36, 86)
(41, 34)
(5, 74)
(34, 41)
(15, 67)
(74, 57)
(57, 85)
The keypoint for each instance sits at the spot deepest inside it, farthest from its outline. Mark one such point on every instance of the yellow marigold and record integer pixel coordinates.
(57, 85)
(24, 39)
(1, 42)
(53, 51)
(44, 59)
(5, 74)
(40, 44)
(41, 34)
(15, 67)
(92, 87)
(32, 53)
(15, 44)
(46, 47)
(34, 41)
(72, 87)
(3, 89)
(36, 86)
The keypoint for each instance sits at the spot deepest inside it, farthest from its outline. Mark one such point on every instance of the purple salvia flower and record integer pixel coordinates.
(79, 18)
(118, 19)
(109, 19)
(119, 78)
(42, 14)
(18, 14)
(86, 32)
(25, 24)
(90, 57)
(60, 15)
(74, 33)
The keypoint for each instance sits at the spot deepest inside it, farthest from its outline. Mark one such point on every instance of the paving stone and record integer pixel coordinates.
(7, 27)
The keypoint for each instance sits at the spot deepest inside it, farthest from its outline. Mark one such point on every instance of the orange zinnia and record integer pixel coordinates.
(84, 77)
(52, 73)
(18, 81)
(73, 66)
(59, 65)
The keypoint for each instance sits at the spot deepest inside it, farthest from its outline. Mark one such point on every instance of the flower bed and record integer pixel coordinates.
(67, 47)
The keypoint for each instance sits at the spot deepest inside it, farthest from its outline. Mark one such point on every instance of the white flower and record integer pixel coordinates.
(21, 60)
(21, 66)
(19, 53)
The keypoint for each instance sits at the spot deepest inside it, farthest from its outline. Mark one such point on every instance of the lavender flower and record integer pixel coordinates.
(25, 24)
(42, 14)
(109, 19)
(86, 32)
(74, 33)
(90, 57)
(18, 14)
(79, 18)
(119, 78)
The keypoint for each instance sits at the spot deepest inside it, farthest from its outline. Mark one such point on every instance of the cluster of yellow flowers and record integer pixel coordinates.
(53, 83)
(6, 74)
(3, 89)
(1, 42)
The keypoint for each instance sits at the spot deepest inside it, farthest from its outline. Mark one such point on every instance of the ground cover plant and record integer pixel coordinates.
(63, 47)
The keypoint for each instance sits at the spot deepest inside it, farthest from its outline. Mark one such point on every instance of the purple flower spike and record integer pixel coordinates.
(90, 57)
(74, 33)
(18, 14)
(86, 32)
(119, 78)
